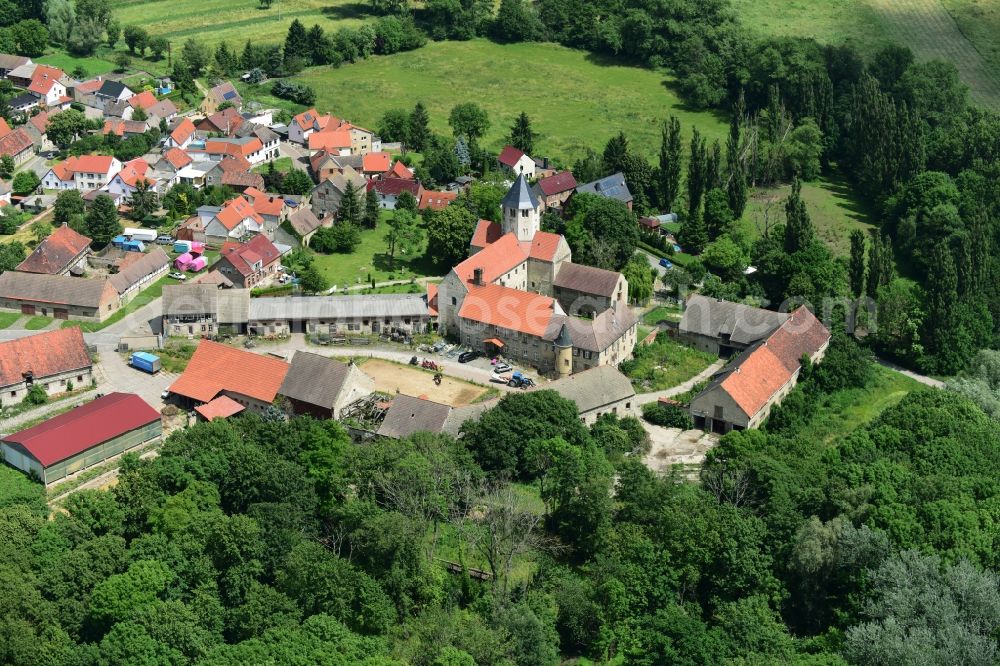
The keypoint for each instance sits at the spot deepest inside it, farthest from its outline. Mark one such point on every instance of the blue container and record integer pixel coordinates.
(145, 361)
(133, 246)
(118, 241)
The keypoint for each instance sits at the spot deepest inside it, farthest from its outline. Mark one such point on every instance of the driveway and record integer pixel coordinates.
(299, 156)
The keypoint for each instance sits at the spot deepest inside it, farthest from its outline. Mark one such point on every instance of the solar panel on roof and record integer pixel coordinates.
(229, 95)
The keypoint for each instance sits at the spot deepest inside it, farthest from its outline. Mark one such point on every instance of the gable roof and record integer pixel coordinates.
(143, 100)
(121, 127)
(88, 164)
(520, 196)
(41, 121)
(508, 308)
(225, 92)
(43, 355)
(85, 427)
(304, 221)
(543, 245)
(135, 170)
(177, 158)
(112, 89)
(264, 204)
(486, 232)
(221, 408)
(257, 249)
(408, 415)
(11, 62)
(315, 379)
(395, 186)
(509, 156)
(330, 139)
(376, 162)
(16, 142)
(216, 367)
(183, 131)
(151, 262)
(44, 77)
(435, 200)
(235, 211)
(557, 184)
(241, 146)
(306, 119)
(162, 109)
(612, 186)
(593, 388)
(4, 128)
(55, 252)
(587, 279)
(226, 121)
(400, 170)
(495, 259)
(56, 289)
(595, 334)
(743, 324)
(90, 86)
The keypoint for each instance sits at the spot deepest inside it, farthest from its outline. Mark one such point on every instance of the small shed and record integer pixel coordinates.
(82, 437)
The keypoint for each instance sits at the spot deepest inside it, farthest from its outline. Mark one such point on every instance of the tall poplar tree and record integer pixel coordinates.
(798, 227)
(419, 131)
(736, 185)
(856, 269)
(669, 173)
(696, 174)
(880, 264)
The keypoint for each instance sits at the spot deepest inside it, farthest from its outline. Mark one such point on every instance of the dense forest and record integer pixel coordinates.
(255, 540)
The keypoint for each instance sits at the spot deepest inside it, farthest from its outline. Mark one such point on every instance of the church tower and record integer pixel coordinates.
(521, 210)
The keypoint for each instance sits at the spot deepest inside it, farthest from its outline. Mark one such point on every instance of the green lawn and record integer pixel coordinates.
(834, 209)
(235, 21)
(664, 364)
(660, 313)
(93, 65)
(282, 164)
(574, 100)
(37, 323)
(7, 319)
(370, 259)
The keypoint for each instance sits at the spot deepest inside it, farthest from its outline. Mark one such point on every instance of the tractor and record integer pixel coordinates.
(519, 380)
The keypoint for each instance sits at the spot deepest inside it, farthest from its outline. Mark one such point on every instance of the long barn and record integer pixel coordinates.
(82, 437)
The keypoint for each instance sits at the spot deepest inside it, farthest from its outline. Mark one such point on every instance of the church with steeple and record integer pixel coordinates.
(520, 295)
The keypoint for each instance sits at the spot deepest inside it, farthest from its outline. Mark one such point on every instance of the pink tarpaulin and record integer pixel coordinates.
(197, 264)
(182, 261)
(197, 248)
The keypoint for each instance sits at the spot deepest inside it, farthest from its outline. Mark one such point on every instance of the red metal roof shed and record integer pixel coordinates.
(85, 427)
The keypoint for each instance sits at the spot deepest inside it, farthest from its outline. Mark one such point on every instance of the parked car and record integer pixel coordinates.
(666, 263)
(178, 276)
(501, 368)
(465, 357)
(164, 240)
(165, 394)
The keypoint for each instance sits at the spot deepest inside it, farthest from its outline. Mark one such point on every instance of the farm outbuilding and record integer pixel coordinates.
(82, 437)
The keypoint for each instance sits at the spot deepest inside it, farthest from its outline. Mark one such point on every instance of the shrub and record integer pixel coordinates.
(296, 92)
(668, 416)
(36, 395)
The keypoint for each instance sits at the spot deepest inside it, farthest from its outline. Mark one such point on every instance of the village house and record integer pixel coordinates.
(327, 195)
(124, 128)
(144, 100)
(307, 122)
(400, 170)
(249, 148)
(195, 310)
(502, 299)
(432, 200)
(215, 369)
(83, 437)
(24, 102)
(139, 274)
(305, 224)
(173, 159)
(333, 141)
(181, 135)
(515, 162)
(232, 171)
(9, 63)
(163, 110)
(269, 140)
(17, 145)
(55, 360)
(84, 173)
(223, 93)
(324, 165)
(742, 394)
(597, 391)
(36, 128)
(375, 164)
(113, 91)
(252, 264)
(389, 190)
(611, 187)
(58, 296)
(270, 207)
(321, 387)
(49, 84)
(119, 110)
(553, 191)
(126, 182)
(62, 252)
(233, 221)
(225, 122)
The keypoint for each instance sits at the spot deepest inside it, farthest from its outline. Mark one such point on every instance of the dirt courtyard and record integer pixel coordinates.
(673, 446)
(390, 377)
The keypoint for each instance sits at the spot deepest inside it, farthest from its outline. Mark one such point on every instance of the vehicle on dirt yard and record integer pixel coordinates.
(501, 368)
(518, 380)
(465, 357)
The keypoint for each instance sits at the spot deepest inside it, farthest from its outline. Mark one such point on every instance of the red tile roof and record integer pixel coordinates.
(495, 259)
(242, 148)
(435, 200)
(15, 143)
(41, 121)
(557, 184)
(508, 308)
(235, 212)
(216, 367)
(243, 257)
(122, 127)
(43, 354)
(44, 78)
(220, 408)
(509, 156)
(264, 204)
(330, 140)
(85, 427)
(134, 171)
(87, 164)
(4, 128)
(306, 119)
(226, 121)
(800, 334)
(432, 298)
(543, 245)
(90, 87)
(177, 158)
(143, 100)
(396, 186)
(185, 128)
(376, 162)
(55, 253)
(400, 170)
(486, 232)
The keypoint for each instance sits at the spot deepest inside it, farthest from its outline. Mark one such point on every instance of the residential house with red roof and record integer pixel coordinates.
(249, 148)
(47, 82)
(62, 252)
(334, 142)
(83, 173)
(221, 94)
(162, 110)
(17, 145)
(53, 360)
(434, 200)
(307, 122)
(236, 219)
(124, 128)
(36, 128)
(270, 207)
(126, 182)
(389, 190)
(508, 298)
(376, 164)
(742, 394)
(400, 170)
(252, 264)
(83, 437)
(553, 191)
(225, 122)
(516, 162)
(215, 369)
(232, 171)
(143, 100)
(181, 135)
(175, 159)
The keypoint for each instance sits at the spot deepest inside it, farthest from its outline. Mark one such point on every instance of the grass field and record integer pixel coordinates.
(834, 209)
(371, 259)
(574, 101)
(37, 323)
(93, 65)
(665, 364)
(7, 319)
(235, 21)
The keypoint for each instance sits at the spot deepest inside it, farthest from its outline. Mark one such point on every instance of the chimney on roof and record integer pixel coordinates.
(477, 276)
(545, 163)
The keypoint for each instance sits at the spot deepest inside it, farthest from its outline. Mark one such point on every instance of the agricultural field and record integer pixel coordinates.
(574, 101)
(964, 32)
(235, 21)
